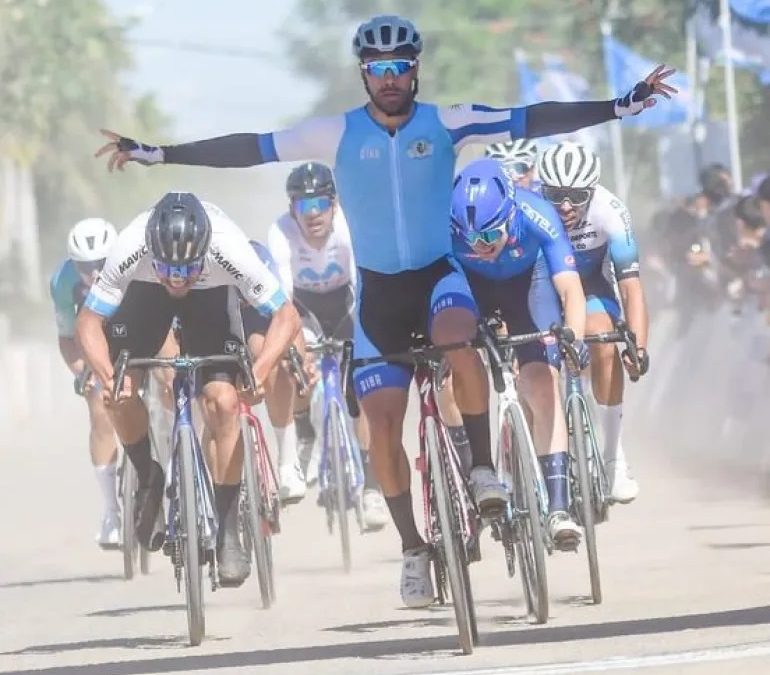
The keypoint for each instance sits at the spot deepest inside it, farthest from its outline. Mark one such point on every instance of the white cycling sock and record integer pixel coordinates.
(287, 445)
(611, 419)
(106, 476)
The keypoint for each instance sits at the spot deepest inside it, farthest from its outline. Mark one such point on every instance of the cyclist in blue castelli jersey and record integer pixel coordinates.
(88, 244)
(394, 160)
(519, 161)
(599, 227)
(519, 262)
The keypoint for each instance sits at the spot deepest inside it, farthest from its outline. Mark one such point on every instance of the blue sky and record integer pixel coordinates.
(209, 93)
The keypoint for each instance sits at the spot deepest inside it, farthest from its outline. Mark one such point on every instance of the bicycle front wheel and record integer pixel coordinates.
(528, 514)
(189, 538)
(584, 500)
(258, 530)
(337, 439)
(449, 536)
(130, 544)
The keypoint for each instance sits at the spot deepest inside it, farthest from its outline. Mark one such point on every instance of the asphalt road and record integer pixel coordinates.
(686, 578)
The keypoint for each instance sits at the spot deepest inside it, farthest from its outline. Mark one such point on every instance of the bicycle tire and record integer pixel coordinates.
(129, 543)
(524, 499)
(336, 437)
(259, 534)
(190, 538)
(449, 539)
(585, 500)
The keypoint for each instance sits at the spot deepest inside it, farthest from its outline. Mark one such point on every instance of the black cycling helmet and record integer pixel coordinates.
(312, 179)
(178, 231)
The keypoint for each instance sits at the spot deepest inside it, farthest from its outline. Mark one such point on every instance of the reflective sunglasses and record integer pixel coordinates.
(518, 169)
(575, 196)
(396, 67)
(487, 237)
(308, 205)
(88, 267)
(177, 273)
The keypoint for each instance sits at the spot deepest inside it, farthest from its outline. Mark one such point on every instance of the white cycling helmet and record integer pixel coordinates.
(386, 33)
(569, 165)
(90, 240)
(520, 150)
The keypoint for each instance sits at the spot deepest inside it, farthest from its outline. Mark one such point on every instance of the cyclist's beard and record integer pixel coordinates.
(393, 109)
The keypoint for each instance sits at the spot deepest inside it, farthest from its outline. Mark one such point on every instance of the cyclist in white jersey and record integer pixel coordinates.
(394, 161)
(184, 259)
(599, 227)
(311, 246)
(88, 244)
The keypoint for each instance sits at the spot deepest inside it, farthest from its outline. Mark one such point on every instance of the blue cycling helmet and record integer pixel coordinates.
(483, 201)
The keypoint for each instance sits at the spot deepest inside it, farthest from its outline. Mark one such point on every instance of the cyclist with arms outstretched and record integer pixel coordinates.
(394, 161)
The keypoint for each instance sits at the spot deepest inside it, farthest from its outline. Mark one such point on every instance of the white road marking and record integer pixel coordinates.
(728, 653)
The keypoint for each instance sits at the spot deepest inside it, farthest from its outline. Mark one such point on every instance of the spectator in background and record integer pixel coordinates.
(746, 266)
(763, 199)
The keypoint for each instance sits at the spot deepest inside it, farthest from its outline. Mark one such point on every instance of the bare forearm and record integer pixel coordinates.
(635, 309)
(573, 300)
(283, 329)
(93, 342)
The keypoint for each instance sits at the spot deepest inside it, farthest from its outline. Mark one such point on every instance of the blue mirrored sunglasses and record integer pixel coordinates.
(310, 204)
(487, 237)
(382, 67)
(177, 272)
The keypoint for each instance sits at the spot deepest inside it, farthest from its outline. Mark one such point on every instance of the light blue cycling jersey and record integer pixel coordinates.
(68, 293)
(395, 188)
(535, 230)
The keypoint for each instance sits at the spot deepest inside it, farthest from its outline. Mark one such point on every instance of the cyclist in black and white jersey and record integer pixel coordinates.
(183, 259)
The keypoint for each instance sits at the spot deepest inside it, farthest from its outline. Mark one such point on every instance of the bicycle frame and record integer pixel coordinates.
(265, 470)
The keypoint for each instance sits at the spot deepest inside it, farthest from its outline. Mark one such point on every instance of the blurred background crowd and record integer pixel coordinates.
(165, 70)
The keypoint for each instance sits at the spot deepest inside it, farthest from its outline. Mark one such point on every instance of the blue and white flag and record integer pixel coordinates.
(626, 67)
(754, 11)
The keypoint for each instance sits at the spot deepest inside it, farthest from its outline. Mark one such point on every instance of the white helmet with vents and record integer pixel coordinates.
(386, 33)
(90, 240)
(569, 165)
(520, 150)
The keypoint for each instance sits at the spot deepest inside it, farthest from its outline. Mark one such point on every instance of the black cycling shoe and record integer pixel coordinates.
(150, 530)
(232, 564)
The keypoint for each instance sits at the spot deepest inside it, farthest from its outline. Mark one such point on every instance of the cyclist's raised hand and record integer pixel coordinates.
(643, 94)
(122, 149)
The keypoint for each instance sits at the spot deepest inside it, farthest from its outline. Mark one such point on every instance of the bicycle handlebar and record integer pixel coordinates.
(186, 363)
(295, 366)
(624, 334)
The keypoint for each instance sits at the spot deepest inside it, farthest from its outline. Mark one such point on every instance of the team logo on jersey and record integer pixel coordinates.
(119, 330)
(131, 260)
(569, 260)
(231, 347)
(257, 289)
(419, 149)
(369, 153)
(226, 265)
(540, 220)
(516, 252)
(310, 275)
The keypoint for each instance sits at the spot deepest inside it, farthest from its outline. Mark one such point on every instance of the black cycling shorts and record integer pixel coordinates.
(146, 314)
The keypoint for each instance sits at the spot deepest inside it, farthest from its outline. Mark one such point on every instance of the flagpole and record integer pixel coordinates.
(616, 131)
(725, 20)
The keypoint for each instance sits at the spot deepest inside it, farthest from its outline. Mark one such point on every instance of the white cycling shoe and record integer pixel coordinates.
(565, 532)
(291, 484)
(624, 488)
(416, 582)
(108, 536)
(490, 495)
(375, 510)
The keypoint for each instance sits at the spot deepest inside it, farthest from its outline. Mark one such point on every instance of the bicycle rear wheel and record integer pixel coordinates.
(258, 529)
(189, 538)
(455, 564)
(337, 439)
(584, 499)
(130, 544)
(528, 514)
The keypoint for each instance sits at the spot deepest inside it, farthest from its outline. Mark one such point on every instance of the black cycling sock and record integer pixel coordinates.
(226, 498)
(460, 440)
(370, 482)
(403, 517)
(477, 428)
(556, 474)
(304, 426)
(141, 457)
